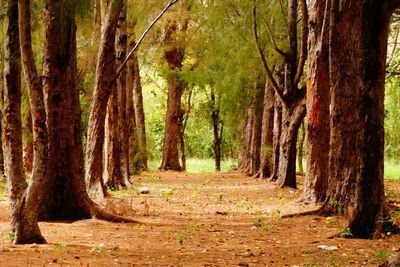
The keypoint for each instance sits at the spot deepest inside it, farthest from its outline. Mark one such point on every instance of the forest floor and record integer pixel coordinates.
(201, 220)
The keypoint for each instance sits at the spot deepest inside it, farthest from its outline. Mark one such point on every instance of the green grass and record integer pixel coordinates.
(392, 170)
(200, 165)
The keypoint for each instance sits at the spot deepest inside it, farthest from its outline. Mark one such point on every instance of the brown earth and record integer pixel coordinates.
(201, 220)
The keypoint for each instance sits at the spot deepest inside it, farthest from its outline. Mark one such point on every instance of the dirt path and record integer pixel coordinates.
(200, 220)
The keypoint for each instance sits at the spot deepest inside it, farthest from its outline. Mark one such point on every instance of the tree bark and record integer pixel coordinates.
(103, 86)
(276, 138)
(174, 54)
(358, 66)
(266, 164)
(24, 200)
(63, 121)
(301, 148)
(139, 112)
(122, 45)
(318, 98)
(135, 165)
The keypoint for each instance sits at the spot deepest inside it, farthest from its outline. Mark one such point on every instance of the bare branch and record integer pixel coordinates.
(304, 38)
(168, 6)
(263, 59)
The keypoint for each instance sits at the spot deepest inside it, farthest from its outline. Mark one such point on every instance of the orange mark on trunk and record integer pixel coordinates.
(314, 115)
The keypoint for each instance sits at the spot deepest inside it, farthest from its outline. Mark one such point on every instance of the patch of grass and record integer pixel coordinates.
(382, 254)
(201, 165)
(392, 170)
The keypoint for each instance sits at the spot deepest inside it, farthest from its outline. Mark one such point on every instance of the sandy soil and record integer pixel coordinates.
(201, 220)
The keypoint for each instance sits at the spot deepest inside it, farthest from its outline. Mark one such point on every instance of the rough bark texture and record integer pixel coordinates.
(23, 201)
(104, 77)
(276, 138)
(60, 87)
(301, 148)
(121, 47)
(174, 55)
(139, 112)
(293, 108)
(266, 163)
(356, 147)
(135, 165)
(255, 145)
(317, 101)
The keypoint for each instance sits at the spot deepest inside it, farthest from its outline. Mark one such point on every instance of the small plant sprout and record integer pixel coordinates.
(98, 249)
(383, 254)
(11, 235)
(346, 233)
(181, 238)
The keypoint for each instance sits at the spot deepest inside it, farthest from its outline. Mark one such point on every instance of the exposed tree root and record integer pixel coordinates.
(303, 213)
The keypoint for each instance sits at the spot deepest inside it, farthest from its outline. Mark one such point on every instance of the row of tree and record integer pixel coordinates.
(246, 59)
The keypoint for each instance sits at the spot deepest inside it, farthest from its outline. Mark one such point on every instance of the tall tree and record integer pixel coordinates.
(291, 96)
(174, 54)
(318, 98)
(24, 199)
(105, 72)
(358, 65)
(266, 163)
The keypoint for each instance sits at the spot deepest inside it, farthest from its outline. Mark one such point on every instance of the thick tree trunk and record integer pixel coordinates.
(24, 203)
(170, 159)
(358, 67)
(61, 87)
(27, 136)
(139, 112)
(105, 72)
(292, 116)
(174, 54)
(318, 98)
(266, 155)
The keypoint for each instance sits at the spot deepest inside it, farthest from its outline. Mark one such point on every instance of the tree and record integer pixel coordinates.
(25, 199)
(290, 95)
(318, 97)
(105, 72)
(174, 54)
(358, 65)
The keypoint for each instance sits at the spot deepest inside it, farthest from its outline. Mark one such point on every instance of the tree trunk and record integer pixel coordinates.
(292, 116)
(24, 203)
(105, 72)
(135, 165)
(318, 98)
(121, 47)
(358, 68)
(266, 164)
(170, 159)
(255, 146)
(61, 87)
(246, 134)
(276, 138)
(174, 55)
(217, 130)
(139, 112)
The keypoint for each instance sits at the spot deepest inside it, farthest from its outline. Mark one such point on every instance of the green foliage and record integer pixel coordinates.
(346, 233)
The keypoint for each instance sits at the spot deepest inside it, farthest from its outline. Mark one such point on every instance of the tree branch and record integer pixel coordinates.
(263, 59)
(304, 38)
(170, 4)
